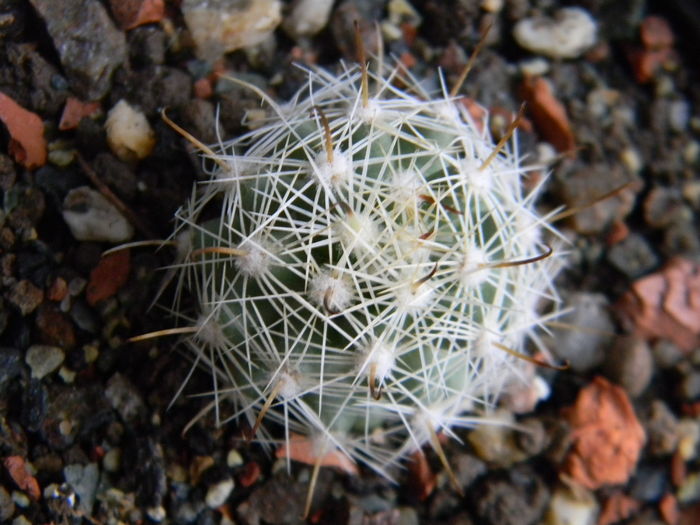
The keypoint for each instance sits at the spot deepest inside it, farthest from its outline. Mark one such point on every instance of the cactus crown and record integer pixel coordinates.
(372, 271)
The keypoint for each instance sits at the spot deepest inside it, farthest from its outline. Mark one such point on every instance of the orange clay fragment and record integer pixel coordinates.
(27, 143)
(548, 113)
(74, 110)
(17, 469)
(666, 304)
(616, 508)
(110, 274)
(607, 437)
(134, 13)
(304, 449)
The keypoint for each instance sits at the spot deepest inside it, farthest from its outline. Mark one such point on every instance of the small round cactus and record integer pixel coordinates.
(367, 267)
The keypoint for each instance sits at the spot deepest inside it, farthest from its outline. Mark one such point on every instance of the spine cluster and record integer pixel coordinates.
(367, 267)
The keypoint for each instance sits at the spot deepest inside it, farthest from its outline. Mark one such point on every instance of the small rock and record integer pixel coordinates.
(649, 483)
(54, 327)
(124, 398)
(630, 364)
(25, 296)
(662, 429)
(43, 359)
(7, 506)
(220, 26)
(10, 367)
(568, 35)
(583, 349)
(147, 46)
(568, 507)
(633, 256)
(518, 499)
(662, 206)
(89, 45)
(307, 17)
(218, 493)
(91, 217)
(83, 479)
(129, 135)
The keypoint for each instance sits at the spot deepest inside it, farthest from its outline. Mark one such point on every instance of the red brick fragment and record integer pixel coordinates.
(110, 274)
(607, 436)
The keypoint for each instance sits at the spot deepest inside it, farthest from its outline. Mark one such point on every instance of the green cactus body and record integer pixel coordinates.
(358, 271)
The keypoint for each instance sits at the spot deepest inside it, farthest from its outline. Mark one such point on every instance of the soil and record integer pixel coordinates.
(91, 426)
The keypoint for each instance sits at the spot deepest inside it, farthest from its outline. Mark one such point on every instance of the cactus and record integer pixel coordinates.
(367, 267)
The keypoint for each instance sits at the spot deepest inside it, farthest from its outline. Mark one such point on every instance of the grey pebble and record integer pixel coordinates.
(88, 43)
(124, 398)
(633, 256)
(7, 506)
(584, 348)
(43, 359)
(630, 364)
(83, 479)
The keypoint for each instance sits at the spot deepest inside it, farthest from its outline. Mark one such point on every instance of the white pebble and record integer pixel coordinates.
(571, 32)
(492, 6)
(569, 508)
(91, 217)
(219, 493)
(220, 27)
(43, 359)
(307, 18)
(129, 135)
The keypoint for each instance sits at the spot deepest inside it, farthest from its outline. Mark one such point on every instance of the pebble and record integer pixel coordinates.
(307, 18)
(124, 398)
(583, 349)
(689, 489)
(663, 206)
(20, 499)
(662, 429)
(688, 438)
(518, 499)
(129, 135)
(218, 493)
(234, 458)
(43, 359)
(630, 364)
(7, 506)
(112, 460)
(25, 296)
(568, 35)
(147, 45)
(91, 217)
(89, 45)
(572, 508)
(21, 520)
(83, 479)
(649, 483)
(10, 366)
(221, 26)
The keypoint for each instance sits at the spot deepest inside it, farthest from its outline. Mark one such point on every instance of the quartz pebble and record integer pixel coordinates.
(220, 26)
(91, 217)
(568, 35)
(568, 507)
(129, 135)
(218, 493)
(43, 359)
(307, 18)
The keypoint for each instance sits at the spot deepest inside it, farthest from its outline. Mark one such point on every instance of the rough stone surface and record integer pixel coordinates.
(220, 26)
(43, 359)
(91, 217)
(571, 32)
(89, 45)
